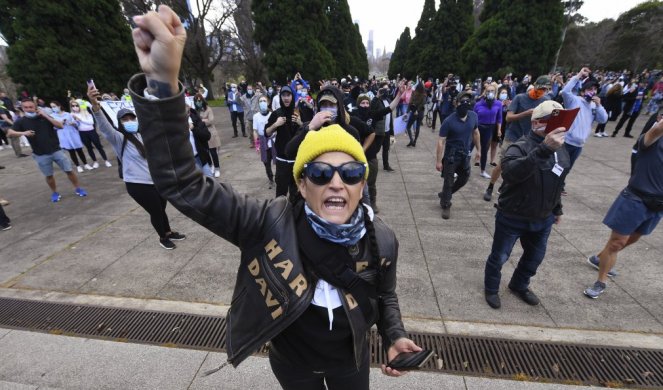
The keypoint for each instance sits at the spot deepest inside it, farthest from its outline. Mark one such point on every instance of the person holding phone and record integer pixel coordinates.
(533, 169)
(313, 276)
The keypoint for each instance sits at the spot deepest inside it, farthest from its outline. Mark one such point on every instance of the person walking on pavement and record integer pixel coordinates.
(530, 202)
(234, 103)
(38, 127)
(634, 99)
(637, 210)
(457, 133)
(250, 106)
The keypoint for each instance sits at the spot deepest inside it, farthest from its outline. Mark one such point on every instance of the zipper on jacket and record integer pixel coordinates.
(274, 279)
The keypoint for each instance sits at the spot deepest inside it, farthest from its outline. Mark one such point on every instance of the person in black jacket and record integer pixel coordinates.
(533, 169)
(314, 276)
(200, 135)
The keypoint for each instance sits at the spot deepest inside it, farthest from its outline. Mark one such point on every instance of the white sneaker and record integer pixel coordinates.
(108, 164)
(604, 134)
(95, 165)
(217, 173)
(485, 175)
(2, 147)
(598, 135)
(79, 169)
(88, 167)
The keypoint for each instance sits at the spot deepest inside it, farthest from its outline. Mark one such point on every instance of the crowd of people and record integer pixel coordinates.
(331, 260)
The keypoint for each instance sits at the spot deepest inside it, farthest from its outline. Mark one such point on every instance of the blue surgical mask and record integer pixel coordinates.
(31, 114)
(249, 92)
(490, 95)
(303, 93)
(263, 106)
(55, 109)
(131, 127)
(503, 96)
(333, 110)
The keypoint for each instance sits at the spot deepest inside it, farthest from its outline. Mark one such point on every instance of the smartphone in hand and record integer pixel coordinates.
(406, 361)
(90, 84)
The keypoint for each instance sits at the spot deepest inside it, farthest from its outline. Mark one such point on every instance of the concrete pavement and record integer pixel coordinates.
(103, 248)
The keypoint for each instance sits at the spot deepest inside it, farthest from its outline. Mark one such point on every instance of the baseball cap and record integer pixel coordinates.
(546, 109)
(124, 112)
(542, 81)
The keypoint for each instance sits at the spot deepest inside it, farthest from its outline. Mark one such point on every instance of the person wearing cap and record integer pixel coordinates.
(590, 110)
(284, 123)
(518, 118)
(40, 130)
(457, 133)
(313, 276)
(130, 151)
(533, 169)
(234, 103)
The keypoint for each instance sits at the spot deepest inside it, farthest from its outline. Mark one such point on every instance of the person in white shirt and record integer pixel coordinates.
(267, 155)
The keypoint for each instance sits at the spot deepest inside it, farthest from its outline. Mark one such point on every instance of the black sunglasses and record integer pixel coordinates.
(321, 173)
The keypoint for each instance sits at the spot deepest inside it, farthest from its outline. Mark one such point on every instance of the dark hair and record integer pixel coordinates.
(589, 83)
(26, 100)
(57, 103)
(131, 138)
(200, 97)
(372, 240)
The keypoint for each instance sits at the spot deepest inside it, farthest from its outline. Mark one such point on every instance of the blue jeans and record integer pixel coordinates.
(533, 237)
(574, 153)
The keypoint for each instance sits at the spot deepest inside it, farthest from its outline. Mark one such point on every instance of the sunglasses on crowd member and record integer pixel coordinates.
(464, 101)
(321, 173)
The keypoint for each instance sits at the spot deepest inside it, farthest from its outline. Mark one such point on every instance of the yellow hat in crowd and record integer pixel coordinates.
(328, 139)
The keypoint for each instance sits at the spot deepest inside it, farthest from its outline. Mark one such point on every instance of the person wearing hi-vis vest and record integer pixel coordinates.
(313, 276)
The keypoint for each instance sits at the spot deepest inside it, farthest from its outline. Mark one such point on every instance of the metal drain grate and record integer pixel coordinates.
(466, 355)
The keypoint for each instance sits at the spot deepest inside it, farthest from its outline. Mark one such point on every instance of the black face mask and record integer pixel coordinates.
(362, 113)
(384, 93)
(462, 110)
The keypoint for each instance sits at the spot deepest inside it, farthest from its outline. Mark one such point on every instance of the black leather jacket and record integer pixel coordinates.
(531, 190)
(272, 289)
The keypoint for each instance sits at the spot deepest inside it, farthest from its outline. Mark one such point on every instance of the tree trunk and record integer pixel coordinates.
(208, 84)
(559, 49)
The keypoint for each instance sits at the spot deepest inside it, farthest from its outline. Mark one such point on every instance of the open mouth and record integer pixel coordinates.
(335, 203)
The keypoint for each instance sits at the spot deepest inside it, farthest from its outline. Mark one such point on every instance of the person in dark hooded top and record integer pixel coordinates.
(285, 123)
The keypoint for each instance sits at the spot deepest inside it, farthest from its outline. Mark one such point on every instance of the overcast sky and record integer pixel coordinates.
(388, 18)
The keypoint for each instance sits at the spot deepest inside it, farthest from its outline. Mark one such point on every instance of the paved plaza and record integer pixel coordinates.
(102, 250)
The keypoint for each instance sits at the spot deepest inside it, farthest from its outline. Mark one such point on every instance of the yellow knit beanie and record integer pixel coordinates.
(328, 139)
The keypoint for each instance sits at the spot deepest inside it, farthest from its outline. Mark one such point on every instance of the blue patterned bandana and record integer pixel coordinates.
(344, 234)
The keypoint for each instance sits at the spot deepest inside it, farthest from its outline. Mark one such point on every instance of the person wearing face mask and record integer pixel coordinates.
(518, 117)
(207, 116)
(267, 155)
(250, 104)
(235, 106)
(590, 110)
(306, 105)
(284, 123)
(415, 113)
(457, 133)
(70, 139)
(127, 143)
(86, 128)
(529, 204)
(38, 128)
(498, 137)
(489, 113)
(126, 97)
(633, 105)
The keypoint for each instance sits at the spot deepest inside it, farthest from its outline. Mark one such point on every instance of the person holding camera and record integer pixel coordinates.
(529, 204)
(313, 276)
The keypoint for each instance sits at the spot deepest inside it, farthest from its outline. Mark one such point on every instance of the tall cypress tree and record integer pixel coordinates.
(81, 40)
(399, 56)
(361, 61)
(288, 33)
(339, 37)
(523, 35)
(416, 62)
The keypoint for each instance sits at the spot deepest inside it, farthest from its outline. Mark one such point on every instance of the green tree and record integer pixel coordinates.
(418, 51)
(361, 61)
(637, 35)
(287, 32)
(55, 46)
(522, 34)
(399, 56)
(453, 26)
(571, 16)
(339, 38)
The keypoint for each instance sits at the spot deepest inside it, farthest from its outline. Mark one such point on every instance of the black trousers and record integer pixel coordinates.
(234, 115)
(90, 138)
(4, 219)
(268, 164)
(629, 126)
(147, 196)
(455, 161)
(215, 157)
(298, 378)
(285, 183)
(72, 155)
(386, 144)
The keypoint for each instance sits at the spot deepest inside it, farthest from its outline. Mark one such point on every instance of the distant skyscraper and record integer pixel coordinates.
(369, 47)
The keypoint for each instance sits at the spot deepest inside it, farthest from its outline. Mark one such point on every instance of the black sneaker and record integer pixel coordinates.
(175, 236)
(5, 227)
(389, 169)
(446, 213)
(167, 244)
(488, 195)
(493, 301)
(527, 296)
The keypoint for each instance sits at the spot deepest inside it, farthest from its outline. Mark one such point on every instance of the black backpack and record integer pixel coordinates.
(119, 159)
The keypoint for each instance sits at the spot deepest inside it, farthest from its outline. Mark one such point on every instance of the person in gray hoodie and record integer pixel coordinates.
(127, 144)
